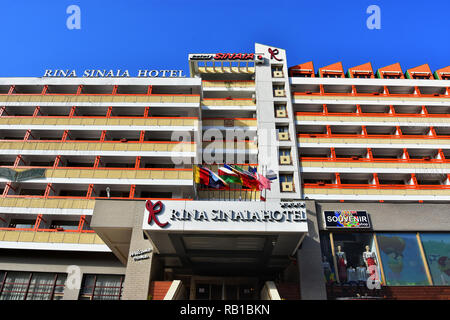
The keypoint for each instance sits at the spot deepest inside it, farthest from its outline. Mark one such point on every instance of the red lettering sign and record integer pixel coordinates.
(234, 56)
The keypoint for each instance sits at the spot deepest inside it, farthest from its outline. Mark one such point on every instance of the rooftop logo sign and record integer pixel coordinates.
(103, 73)
(223, 56)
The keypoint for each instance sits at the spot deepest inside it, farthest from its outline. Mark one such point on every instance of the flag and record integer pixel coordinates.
(251, 169)
(271, 175)
(264, 183)
(215, 181)
(248, 179)
(229, 176)
(201, 175)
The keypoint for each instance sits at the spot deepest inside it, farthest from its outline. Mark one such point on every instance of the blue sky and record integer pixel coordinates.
(159, 34)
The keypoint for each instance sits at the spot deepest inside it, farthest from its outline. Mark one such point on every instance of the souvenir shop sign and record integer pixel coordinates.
(347, 219)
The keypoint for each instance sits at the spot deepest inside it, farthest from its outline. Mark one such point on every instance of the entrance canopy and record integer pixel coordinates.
(225, 237)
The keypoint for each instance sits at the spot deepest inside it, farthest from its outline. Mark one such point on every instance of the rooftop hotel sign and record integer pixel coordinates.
(225, 216)
(102, 73)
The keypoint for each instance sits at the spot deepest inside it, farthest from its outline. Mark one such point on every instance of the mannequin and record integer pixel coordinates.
(369, 260)
(326, 268)
(342, 264)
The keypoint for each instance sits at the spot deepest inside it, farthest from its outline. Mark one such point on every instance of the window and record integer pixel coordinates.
(31, 286)
(101, 287)
(437, 252)
(355, 257)
(66, 225)
(401, 259)
(22, 224)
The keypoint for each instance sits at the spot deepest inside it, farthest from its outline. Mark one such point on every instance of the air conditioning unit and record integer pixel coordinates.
(287, 187)
(285, 160)
(279, 93)
(283, 136)
(278, 74)
(259, 58)
(254, 98)
(281, 113)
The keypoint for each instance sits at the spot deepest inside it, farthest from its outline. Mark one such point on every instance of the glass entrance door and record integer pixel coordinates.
(224, 289)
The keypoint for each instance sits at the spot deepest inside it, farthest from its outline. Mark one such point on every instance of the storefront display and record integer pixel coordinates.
(355, 257)
(437, 252)
(401, 259)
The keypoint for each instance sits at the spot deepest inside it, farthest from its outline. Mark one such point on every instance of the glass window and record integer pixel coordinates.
(401, 259)
(31, 286)
(22, 224)
(101, 287)
(437, 252)
(66, 225)
(356, 257)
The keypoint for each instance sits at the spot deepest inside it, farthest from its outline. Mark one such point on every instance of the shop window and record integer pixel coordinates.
(101, 287)
(437, 252)
(355, 257)
(31, 286)
(401, 259)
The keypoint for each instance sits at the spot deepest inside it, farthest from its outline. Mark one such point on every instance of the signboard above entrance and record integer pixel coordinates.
(225, 216)
(347, 219)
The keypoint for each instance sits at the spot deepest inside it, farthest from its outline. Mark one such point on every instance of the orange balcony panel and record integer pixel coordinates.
(362, 71)
(333, 70)
(302, 70)
(442, 74)
(421, 72)
(391, 71)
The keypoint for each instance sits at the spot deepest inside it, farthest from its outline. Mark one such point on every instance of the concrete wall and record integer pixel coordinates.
(309, 260)
(396, 216)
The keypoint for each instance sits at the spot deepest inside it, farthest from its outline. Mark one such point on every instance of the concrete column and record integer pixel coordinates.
(138, 273)
(312, 283)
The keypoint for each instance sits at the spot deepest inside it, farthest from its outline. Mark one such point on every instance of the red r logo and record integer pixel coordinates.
(153, 210)
(273, 54)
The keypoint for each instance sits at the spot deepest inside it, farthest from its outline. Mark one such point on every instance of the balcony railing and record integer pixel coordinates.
(229, 122)
(41, 99)
(97, 121)
(50, 236)
(75, 145)
(228, 102)
(228, 84)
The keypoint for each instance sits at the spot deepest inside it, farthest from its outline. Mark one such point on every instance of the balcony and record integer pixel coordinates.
(228, 84)
(229, 103)
(87, 99)
(59, 240)
(40, 205)
(36, 123)
(133, 148)
(229, 123)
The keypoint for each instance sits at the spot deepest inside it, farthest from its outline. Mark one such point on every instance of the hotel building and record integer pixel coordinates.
(99, 200)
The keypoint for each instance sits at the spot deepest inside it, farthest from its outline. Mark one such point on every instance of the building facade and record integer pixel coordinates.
(100, 202)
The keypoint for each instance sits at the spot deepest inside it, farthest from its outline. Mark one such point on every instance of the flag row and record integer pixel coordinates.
(229, 174)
